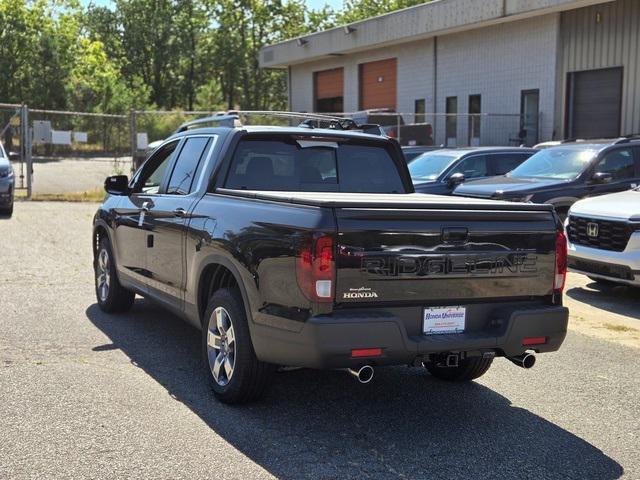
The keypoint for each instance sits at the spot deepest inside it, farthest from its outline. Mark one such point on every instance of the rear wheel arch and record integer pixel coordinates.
(219, 273)
(100, 231)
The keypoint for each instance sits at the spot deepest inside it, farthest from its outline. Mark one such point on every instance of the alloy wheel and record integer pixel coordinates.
(221, 346)
(103, 276)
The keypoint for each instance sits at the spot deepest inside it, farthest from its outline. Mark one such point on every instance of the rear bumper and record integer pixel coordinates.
(327, 341)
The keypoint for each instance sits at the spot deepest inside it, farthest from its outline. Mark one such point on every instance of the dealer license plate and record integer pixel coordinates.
(437, 320)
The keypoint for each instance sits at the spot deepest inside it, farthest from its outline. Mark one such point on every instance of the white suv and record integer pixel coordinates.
(604, 237)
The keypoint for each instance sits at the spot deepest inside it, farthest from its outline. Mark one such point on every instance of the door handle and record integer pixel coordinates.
(179, 212)
(146, 206)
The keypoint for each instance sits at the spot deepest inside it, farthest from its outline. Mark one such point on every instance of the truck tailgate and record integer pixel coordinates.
(443, 256)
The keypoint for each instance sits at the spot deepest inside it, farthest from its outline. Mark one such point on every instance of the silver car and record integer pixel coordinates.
(604, 237)
(7, 184)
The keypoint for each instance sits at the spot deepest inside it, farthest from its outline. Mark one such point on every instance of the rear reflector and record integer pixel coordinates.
(366, 352)
(534, 341)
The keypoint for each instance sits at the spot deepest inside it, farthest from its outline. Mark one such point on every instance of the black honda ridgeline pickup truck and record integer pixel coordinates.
(308, 247)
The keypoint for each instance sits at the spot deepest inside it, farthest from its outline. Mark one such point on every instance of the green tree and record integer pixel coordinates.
(169, 54)
(355, 10)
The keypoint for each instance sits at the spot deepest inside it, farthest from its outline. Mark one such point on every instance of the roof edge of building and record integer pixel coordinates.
(439, 17)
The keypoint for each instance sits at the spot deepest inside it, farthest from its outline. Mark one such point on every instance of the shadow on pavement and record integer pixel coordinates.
(324, 424)
(619, 299)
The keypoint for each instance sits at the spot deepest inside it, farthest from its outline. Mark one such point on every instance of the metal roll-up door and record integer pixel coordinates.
(594, 103)
(378, 84)
(329, 90)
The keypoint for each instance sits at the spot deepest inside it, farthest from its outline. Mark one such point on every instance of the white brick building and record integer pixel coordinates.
(559, 68)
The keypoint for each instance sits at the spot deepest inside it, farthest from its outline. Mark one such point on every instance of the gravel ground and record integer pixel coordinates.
(89, 395)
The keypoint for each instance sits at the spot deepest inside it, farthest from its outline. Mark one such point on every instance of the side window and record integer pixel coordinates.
(472, 167)
(505, 162)
(153, 170)
(619, 163)
(184, 171)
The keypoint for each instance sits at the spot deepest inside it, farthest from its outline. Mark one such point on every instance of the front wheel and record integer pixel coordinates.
(236, 375)
(112, 297)
(7, 212)
(467, 370)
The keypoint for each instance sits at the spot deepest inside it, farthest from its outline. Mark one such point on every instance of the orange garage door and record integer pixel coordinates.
(378, 84)
(329, 90)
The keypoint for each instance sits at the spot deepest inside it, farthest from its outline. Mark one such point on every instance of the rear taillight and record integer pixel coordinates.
(315, 269)
(561, 263)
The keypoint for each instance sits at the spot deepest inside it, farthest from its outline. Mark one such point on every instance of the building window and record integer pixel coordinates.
(475, 108)
(328, 88)
(451, 125)
(529, 117)
(420, 110)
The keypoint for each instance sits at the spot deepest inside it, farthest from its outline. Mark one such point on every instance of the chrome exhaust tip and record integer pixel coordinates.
(363, 374)
(526, 360)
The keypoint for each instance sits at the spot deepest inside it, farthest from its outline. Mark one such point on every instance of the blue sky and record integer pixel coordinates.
(316, 4)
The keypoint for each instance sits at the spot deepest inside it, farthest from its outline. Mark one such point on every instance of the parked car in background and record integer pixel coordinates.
(394, 126)
(441, 171)
(549, 144)
(411, 152)
(604, 237)
(7, 184)
(564, 174)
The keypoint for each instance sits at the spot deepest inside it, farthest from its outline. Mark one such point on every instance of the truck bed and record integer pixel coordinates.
(376, 200)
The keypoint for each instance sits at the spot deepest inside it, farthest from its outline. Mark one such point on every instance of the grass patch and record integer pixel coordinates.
(95, 195)
(619, 328)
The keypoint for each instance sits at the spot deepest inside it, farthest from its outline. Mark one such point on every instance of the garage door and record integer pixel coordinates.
(329, 90)
(378, 84)
(595, 99)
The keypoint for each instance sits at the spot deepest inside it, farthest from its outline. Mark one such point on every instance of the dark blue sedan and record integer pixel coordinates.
(441, 171)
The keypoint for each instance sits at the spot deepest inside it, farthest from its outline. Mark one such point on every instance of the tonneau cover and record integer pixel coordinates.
(382, 200)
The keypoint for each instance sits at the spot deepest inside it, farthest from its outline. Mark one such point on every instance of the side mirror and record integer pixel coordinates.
(14, 156)
(117, 185)
(601, 177)
(456, 179)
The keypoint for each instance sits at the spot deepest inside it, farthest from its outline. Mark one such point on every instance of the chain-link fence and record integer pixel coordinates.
(452, 129)
(74, 151)
(15, 140)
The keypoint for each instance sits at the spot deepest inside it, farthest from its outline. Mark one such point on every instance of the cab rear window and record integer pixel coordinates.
(301, 165)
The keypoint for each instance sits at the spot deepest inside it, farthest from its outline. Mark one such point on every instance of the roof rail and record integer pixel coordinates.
(223, 119)
(232, 118)
(634, 137)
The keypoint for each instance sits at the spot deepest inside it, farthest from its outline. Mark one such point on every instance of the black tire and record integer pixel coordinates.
(116, 298)
(467, 370)
(249, 376)
(7, 212)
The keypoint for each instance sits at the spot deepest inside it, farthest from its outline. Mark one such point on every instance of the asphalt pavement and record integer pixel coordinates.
(89, 395)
